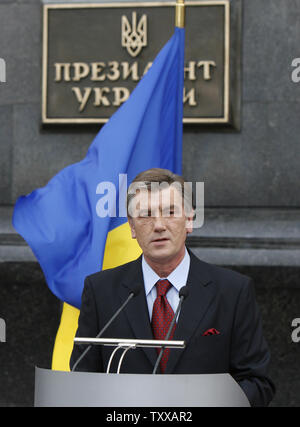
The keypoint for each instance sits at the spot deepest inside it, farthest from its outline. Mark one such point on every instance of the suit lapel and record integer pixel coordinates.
(201, 294)
(137, 310)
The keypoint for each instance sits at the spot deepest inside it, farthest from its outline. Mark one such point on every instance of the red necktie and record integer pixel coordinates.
(162, 316)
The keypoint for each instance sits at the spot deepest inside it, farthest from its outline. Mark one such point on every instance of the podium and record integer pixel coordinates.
(58, 388)
(73, 389)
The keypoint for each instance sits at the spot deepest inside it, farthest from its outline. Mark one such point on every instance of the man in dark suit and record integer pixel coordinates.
(219, 320)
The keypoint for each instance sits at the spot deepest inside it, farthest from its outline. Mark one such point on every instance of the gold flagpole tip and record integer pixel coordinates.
(180, 14)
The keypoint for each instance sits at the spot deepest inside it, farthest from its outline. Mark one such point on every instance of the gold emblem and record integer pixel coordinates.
(134, 37)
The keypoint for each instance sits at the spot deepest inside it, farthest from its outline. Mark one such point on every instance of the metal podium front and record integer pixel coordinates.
(73, 389)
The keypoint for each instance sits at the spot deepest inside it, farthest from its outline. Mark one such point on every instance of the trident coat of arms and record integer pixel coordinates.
(134, 36)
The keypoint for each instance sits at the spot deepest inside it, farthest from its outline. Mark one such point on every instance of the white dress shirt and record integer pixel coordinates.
(177, 278)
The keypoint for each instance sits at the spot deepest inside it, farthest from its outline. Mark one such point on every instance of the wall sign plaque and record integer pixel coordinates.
(95, 54)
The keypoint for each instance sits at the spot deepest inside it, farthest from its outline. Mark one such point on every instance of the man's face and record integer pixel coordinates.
(160, 224)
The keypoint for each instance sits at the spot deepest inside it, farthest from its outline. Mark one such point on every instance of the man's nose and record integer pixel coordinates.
(159, 223)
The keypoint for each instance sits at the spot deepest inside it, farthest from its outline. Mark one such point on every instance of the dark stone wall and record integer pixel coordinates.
(32, 315)
(278, 296)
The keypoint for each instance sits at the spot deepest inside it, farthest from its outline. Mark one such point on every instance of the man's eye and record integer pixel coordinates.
(171, 212)
(144, 214)
(167, 212)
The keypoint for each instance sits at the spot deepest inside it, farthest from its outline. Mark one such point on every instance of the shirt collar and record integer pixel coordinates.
(178, 277)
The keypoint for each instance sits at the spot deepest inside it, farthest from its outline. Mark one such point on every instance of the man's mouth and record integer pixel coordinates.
(160, 239)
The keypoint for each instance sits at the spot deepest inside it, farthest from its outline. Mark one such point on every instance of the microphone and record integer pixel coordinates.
(183, 293)
(135, 290)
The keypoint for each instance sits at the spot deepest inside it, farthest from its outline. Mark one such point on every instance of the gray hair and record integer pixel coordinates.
(162, 178)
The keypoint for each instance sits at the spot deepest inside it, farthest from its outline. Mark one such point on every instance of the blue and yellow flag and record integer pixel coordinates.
(73, 224)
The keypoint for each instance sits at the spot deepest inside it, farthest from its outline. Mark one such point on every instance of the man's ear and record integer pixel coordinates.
(131, 225)
(189, 222)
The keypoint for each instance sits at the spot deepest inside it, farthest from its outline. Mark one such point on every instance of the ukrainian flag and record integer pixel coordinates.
(73, 224)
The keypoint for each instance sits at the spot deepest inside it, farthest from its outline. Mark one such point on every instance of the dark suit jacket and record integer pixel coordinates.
(218, 298)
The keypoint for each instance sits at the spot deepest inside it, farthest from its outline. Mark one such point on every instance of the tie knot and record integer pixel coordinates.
(162, 287)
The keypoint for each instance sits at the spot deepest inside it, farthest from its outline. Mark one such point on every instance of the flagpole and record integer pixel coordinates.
(180, 14)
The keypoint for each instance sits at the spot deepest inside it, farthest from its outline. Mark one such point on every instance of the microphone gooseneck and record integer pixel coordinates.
(183, 293)
(134, 291)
